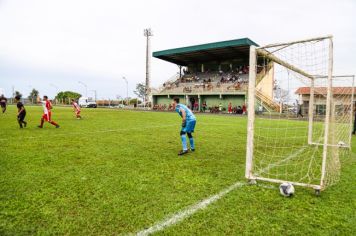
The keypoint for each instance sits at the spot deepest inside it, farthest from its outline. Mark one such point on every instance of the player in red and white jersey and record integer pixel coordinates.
(47, 106)
(76, 108)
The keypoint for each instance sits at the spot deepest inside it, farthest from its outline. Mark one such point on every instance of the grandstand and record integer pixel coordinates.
(213, 75)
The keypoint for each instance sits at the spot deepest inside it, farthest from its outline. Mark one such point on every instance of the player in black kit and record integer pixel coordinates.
(3, 102)
(21, 112)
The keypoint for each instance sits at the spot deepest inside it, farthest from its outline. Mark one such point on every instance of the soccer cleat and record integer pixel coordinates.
(182, 152)
(25, 124)
(57, 126)
(192, 149)
(39, 126)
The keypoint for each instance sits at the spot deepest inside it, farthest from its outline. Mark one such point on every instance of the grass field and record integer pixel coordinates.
(117, 172)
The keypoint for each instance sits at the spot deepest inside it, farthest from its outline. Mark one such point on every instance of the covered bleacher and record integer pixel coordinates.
(213, 73)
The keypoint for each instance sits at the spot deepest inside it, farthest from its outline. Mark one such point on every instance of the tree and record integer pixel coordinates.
(140, 90)
(33, 95)
(135, 101)
(281, 95)
(67, 95)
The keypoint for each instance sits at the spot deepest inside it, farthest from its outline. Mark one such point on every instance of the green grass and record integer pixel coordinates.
(117, 172)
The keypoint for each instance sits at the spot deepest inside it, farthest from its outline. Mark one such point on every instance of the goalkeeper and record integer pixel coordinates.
(188, 125)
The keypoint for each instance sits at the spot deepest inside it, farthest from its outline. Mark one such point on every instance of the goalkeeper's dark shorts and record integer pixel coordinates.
(189, 127)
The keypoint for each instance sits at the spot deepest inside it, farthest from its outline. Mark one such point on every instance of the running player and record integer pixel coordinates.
(47, 106)
(3, 101)
(76, 108)
(21, 114)
(188, 125)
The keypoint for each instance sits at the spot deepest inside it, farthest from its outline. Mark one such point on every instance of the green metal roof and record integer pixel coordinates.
(217, 51)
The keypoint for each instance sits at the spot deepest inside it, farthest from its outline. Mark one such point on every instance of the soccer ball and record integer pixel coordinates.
(286, 189)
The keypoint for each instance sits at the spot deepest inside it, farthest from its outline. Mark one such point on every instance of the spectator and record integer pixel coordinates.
(244, 109)
(229, 109)
(239, 110)
(196, 105)
(220, 107)
(204, 106)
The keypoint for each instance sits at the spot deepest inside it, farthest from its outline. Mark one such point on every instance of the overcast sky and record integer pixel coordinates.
(44, 42)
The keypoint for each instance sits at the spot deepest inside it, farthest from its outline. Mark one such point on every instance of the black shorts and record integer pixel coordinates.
(21, 116)
(3, 104)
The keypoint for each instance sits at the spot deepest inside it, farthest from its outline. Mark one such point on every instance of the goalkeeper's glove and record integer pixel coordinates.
(184, 123)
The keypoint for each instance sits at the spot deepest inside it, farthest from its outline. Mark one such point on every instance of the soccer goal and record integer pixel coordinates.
(300, 115)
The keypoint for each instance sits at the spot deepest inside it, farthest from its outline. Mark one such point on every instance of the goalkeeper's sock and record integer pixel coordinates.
(184, 142)
(192, 147)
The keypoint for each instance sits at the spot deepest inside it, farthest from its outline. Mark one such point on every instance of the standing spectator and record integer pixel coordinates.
(299, 109)
(3, 101)
(204, 106)
(196, 105)
(244, 109)
(229, 108)
(260, 109)
(220, 107)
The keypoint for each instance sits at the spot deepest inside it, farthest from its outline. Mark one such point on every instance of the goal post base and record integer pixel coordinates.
(251, 181)
(278, 181)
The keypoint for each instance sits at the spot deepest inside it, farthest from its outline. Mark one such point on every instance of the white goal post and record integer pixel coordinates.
(282, 144)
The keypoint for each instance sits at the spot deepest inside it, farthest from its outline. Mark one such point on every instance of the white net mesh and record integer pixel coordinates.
(291, 107)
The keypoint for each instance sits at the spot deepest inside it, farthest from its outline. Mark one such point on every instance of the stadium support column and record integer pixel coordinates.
(147, 33)
(199, 101)
(251, 113)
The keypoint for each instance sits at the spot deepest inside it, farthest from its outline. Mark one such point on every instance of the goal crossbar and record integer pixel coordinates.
(275, 59)
(295, 42)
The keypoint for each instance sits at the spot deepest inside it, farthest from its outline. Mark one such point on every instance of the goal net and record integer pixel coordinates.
(300, 116)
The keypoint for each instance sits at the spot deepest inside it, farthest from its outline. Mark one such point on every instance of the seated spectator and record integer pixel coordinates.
(239, 110)
(234, 110)
(220, 107)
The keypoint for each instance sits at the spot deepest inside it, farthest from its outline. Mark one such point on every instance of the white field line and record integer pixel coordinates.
(183, 214)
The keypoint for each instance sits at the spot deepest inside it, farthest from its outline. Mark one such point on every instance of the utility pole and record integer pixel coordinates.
(86, 88)
(147, 33)
(94, 94)
(127, 90)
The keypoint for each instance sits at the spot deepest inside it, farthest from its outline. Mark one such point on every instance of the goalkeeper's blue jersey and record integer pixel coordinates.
(188, 112)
